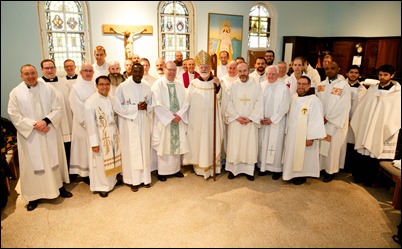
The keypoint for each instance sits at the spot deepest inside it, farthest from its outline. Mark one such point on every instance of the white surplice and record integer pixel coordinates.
(245, 100)
(258, 77)
(100, 70)
(80, 92)
(357, 93)
(162, 141)
(38, 150)
(314, 127)
(276, 98)
(200, 98)
(226, 84)
(102, 131)
(63, 88)
(336, 101)
(135, 130)
(376, 122)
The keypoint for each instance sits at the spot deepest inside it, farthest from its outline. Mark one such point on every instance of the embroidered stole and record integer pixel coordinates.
(174, 127)
(110, 143)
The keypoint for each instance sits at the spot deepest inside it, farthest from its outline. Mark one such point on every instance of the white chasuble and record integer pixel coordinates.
(245, 100)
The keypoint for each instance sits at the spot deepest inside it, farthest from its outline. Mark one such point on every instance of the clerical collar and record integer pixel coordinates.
(356, 84)
(332, 80)
(50, 80)
(72, 78)
(387, 87)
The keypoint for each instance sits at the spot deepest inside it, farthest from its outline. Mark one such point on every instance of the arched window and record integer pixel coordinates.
(261, 30)
(176, 29)
(64, 32)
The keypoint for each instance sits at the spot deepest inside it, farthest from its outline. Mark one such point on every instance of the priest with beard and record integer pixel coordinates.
(115, 76)
(244, 113)
(200, 98)
(305, 127)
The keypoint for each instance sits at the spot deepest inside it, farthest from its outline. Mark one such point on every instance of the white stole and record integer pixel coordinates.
(273, 134)
(35, 150)
(301, 136)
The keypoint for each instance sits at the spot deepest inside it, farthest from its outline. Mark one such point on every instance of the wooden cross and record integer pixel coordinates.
(245, 99)
(129, 32)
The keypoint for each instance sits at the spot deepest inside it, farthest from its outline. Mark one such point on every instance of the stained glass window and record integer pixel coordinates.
(175, 29)
(64, 28)
(260, 27)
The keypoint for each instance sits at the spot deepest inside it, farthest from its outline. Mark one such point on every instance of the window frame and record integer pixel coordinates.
(44, 36)
(191, 30)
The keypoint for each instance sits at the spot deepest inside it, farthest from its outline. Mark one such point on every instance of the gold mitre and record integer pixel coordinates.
(203, 58)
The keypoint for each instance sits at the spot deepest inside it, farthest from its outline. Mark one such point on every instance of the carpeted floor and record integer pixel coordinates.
(194, 212)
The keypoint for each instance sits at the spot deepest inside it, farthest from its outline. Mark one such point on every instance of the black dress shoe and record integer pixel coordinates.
(231, 175)
(250, 178)
(277, 175)
(119, 182)
(134, 188)
(103, 194)
(64, 193)
(32, 205)
(328, 177)
(299, 180)
(179, 174)
(161, 178)
(147, 185)
(263, 173)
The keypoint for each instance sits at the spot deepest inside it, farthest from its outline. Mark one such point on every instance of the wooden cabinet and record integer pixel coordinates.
(377, 51)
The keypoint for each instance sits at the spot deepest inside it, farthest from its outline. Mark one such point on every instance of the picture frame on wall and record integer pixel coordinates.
(225, 32)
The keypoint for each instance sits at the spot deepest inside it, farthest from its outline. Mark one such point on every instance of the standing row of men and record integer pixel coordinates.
(260, 119)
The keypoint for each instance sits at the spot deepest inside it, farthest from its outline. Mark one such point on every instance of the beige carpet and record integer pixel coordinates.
(193, 212)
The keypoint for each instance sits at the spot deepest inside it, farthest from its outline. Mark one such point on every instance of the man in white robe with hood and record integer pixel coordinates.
(244, 113)
(276, 98)
(34, 108)
(169, 137)
(304, 129)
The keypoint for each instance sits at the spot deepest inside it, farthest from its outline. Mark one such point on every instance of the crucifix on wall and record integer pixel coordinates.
(130, 34)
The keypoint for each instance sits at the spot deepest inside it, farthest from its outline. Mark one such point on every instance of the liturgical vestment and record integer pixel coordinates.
(245, 100)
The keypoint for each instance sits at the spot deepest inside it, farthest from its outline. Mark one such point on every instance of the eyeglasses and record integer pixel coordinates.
(87, 71)
(69, 66)
(49, 68)
(171, 70)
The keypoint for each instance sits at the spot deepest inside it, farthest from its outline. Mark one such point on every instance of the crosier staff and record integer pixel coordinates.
(214, 61)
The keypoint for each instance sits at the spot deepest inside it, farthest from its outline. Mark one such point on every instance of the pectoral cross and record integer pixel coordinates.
(245, 99)
(129, 32)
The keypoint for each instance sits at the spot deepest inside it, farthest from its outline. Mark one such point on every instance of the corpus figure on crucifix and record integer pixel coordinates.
(129, 38)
